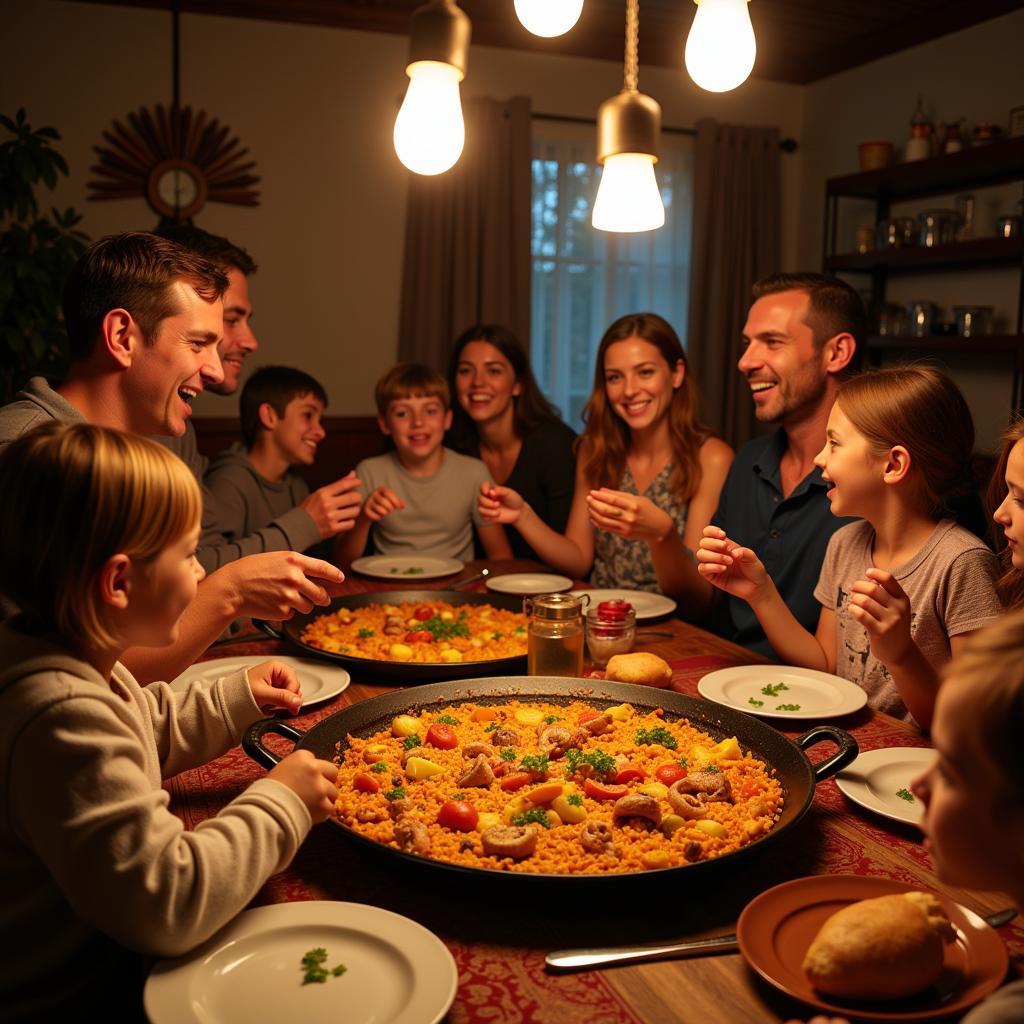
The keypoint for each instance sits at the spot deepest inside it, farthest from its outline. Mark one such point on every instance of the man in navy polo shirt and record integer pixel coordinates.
(803, 334)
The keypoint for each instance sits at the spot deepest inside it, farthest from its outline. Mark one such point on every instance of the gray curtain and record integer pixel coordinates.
(467, 236)
(735, 242)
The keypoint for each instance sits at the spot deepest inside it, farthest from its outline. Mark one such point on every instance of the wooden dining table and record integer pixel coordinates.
(499, 940)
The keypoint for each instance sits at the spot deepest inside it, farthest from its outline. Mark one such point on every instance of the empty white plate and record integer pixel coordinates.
(880, 781)
(397, 972)
(779, 691)
(528, 583)
(407, 567)
(646, 604)
(319, 680)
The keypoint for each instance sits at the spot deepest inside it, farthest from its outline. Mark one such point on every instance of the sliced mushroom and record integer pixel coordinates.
(476, 749)
(516, 841)
(596, 837)
(555, 740)
(637, 805)
(712, 785)
(479, 773)
(686, 805)
(598, 726)
(502, 737)
(396, 808)
(412, 836)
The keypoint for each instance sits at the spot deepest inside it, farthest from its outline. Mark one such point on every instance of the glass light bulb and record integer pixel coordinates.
(628, 198)
(720, 48)
(429, 129)
(549, 17)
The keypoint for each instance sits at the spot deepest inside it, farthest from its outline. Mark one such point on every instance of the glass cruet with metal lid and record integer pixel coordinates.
(555, 634)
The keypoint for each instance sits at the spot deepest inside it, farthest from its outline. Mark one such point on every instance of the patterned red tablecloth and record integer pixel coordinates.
(499, 942)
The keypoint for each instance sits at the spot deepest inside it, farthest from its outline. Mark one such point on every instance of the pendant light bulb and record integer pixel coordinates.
(720, 48)
(628, 198)
(429, 130)
(548, 17)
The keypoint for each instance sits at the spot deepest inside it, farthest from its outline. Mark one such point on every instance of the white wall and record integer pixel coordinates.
(315, 106)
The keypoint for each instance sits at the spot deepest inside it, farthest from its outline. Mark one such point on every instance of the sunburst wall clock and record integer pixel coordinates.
(176, 160)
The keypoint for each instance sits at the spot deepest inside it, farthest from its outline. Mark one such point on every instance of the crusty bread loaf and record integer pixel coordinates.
(883, 948)
(639, 667)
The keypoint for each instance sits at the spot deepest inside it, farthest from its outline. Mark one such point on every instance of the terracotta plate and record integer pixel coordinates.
(776, 929)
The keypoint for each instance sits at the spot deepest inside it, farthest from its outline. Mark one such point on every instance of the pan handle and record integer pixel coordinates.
(252, 741)
(846, 754)
(266, 627)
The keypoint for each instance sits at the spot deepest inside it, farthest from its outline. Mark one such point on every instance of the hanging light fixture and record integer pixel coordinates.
(429, 130)
(720, 48)
(549, 17)
(628, 127)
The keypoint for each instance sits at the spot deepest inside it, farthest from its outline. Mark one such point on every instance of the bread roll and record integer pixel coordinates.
(639, 667)
(883, 948)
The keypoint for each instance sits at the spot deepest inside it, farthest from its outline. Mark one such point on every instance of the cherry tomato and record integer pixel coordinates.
(419, 636)
(424, 613)
(599, 791)
(669, 773)
(627, 773)
(442, 736)
(365, 783)
(458, 815)
(499, 768)
(749, 789)
(589, 715)
(515, 781)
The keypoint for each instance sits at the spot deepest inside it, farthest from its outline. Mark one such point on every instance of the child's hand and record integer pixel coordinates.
(723, 563)
(276, 584)
(274, 686)
(311, 779)
(334, 507)
(500, 504)
(628, 515)
(883, 609)
(382, 503)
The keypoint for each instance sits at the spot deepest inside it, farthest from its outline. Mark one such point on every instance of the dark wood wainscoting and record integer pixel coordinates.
(349, 439)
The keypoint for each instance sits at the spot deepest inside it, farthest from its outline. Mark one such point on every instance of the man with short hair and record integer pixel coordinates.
(144, 318)
(326, 512)
(804, 333)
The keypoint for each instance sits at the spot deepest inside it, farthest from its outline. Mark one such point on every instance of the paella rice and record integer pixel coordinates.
(547, 788)
(434, 632)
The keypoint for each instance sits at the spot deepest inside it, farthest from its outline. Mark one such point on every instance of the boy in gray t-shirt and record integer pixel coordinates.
(422, 497)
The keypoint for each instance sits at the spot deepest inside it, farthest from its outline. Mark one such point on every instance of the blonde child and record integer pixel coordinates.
(648, 472)
(97, 549)
(901, 589)
(1006, 496)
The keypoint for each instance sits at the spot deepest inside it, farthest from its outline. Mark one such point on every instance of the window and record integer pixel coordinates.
(584, 279)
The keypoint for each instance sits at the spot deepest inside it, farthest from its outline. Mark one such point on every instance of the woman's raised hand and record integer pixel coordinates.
(500, 504)
(628, 515)
(737, 571)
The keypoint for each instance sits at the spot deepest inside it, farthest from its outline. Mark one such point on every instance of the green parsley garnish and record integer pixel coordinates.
(534, 763)
(757, 703)
(365, 634)
(413, 570)
(602, 763)
(448, 720)
(458, 796)
(773, 689)
(445, 629)
(509, 754)
(683, 762)
(411, 741)
(313, 965)
(575, 799)
(535, 815)
(398, 793)
(787, 707)
(338, 970)
(659, 734)
(905, 794)
(497, 636)
(520, 629)
(491, 727)
(712, 768)
(379, 766)
(554, 718)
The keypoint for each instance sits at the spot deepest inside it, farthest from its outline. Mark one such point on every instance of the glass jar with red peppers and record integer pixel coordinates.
(611, 629)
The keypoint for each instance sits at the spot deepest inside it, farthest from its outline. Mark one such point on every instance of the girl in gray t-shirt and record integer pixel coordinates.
(901, 590)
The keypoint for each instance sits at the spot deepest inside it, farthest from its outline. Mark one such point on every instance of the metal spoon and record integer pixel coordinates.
(483, 574)
(584, 959)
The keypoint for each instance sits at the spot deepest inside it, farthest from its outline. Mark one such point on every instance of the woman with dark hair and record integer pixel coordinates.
(648, 473)
(500, 416)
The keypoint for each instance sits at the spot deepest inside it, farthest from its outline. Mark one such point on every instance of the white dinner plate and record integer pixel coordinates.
(528, 583)
(397, 972)
(645, 604)
(780, 691)
(407, 568)
(878, 777)
(319, 679)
